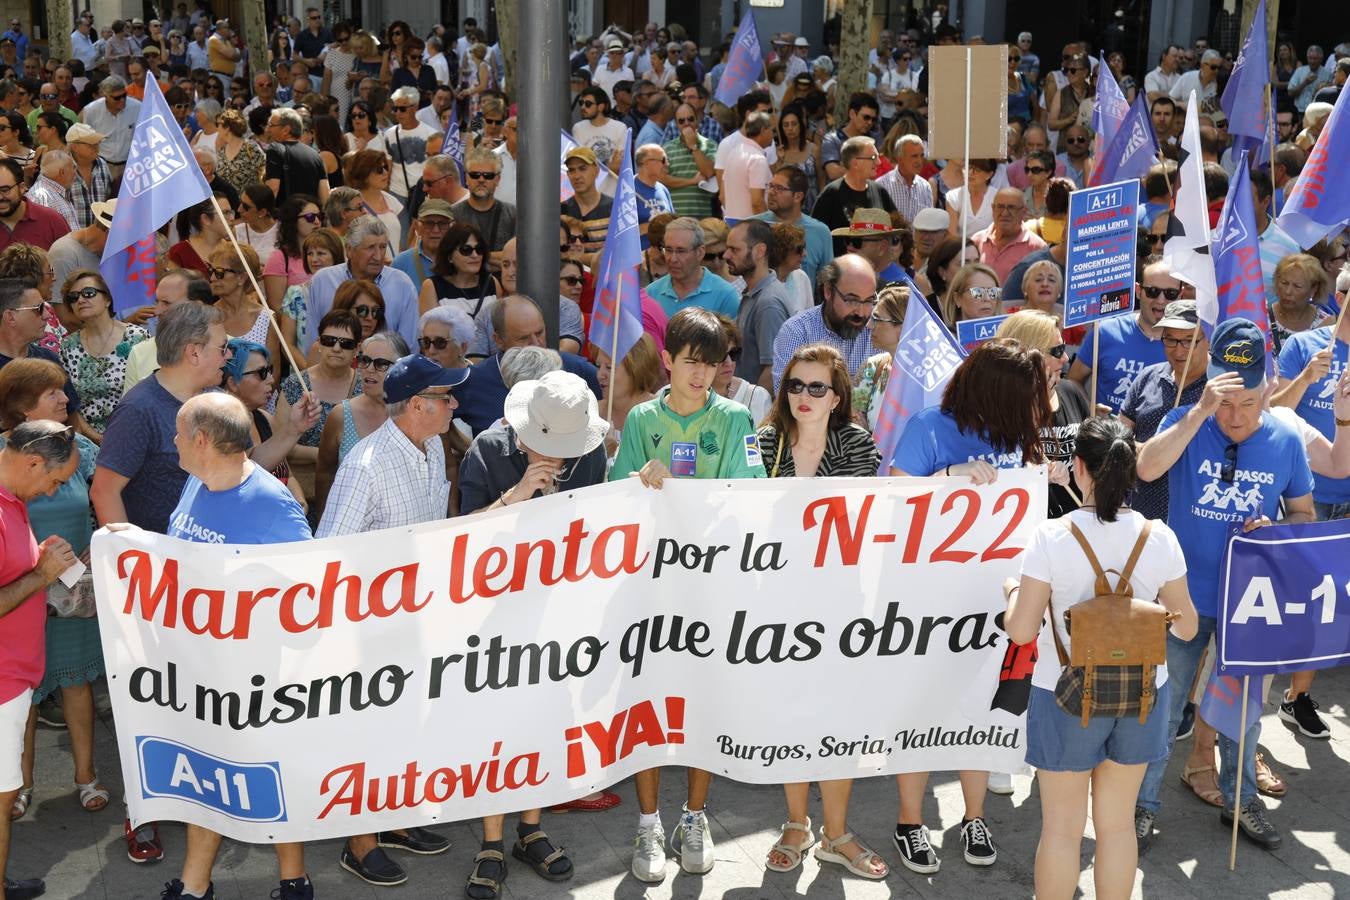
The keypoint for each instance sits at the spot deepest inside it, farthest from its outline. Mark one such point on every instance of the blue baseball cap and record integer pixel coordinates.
(1238, 345)
(414, 374)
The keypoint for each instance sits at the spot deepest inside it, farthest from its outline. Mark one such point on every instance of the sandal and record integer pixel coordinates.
(92, 797)
(478, 880)
(860, 864)
(21, 802)
(1267, 782)
(1213, 796)
(793, 852)
(540, 857)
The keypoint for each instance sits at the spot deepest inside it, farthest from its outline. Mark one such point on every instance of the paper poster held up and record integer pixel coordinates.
(988, 98)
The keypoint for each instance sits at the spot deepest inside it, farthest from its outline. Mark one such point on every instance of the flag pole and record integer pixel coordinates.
(1237, 791)
(965, 161)
(1195, 339)
(1096, 361)
(613, 352)
(271, 316)
(1270, 125)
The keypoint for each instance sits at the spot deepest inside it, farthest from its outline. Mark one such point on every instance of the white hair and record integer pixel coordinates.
(363, 228)
(528, 364)
(54, 161)
(1343, 281)
(458, 321)
(406, 94)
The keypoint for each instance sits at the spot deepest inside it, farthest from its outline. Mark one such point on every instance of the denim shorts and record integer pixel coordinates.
(1058, 742)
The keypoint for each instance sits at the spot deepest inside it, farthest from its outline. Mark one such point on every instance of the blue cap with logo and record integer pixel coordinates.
(414, 374)
(1238, 345)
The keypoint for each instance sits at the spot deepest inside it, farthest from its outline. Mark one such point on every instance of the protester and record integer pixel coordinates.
(974, 293)
(365, 243)
(251, 376)
(331, 380)
(96, 355)
(1109, 757)
(460, 278)
(1300, 285)
(636, 380)
(1127, 344)
(690, 283)
(870, 383)
(298, 216)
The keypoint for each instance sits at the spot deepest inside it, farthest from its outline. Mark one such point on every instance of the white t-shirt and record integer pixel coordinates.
(1190, 81)
(1054, 556)
(745, 167)
(262, 241)
(604, 141)
(407, 155)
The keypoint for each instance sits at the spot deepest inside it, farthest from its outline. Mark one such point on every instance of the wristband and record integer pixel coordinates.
(1342, 423)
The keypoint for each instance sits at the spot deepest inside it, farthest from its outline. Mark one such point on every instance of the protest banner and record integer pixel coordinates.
(522, 657)
(971, 333)
(1099, 269)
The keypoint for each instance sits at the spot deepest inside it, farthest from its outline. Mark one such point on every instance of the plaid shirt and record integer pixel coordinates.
(83, 195)
(48, 193)
(808, 327)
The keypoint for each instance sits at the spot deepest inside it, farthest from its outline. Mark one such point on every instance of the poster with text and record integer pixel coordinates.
(1102, 246)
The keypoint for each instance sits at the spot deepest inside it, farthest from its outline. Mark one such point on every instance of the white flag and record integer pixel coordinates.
(1186, 252)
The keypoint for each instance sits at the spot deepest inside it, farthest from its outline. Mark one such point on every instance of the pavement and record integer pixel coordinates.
(82, 855)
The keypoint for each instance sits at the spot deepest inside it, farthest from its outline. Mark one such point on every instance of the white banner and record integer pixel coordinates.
(768, 631)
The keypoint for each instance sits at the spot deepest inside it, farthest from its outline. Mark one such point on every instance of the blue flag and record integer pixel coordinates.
(1108, 112)
(1221, 705)
(616, 317)
(1244, 98)
(744, 64)
(924, 360)
(1240, 286)
(161, 179)
(1133, 150)
(1320, 201)
(452, 142)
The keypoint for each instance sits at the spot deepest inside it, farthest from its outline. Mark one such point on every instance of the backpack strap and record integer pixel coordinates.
(1103, 585)
(1136, 552)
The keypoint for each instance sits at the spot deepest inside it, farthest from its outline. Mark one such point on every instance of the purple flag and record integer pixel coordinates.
(1221, 705)
(161, 179)
(744, 64)
(1133, 150)
(616, 317)
(1244, 98)
(1320, 201)
(452, 142)
(1108, 112)
(924, 361)
(1240, 286)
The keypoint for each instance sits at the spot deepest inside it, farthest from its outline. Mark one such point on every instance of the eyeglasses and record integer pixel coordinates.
(855, 301)
(685, 122)
(65, 436)
(399, 109)
(1076, 140)
(984, 293)
(46, 96)
(471, 249)
(380, 364)
(311, 218)
(445, 397)
(882, 320)
(118, 97)
(88, 293)
(1229, 468)
(438, 343)
(1176, 342)
(1156, 238)
(1152, 292)
(678, 251)
(481, 176)
(487, 121)
(1037, 170)
(367, 312)
(213, 273)
(1058, 351)
(262, 372)
(332, 340)
(816, 389)
(712, 256)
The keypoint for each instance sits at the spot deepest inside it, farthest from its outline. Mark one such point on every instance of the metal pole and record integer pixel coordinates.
(564, 85)
(543, 66)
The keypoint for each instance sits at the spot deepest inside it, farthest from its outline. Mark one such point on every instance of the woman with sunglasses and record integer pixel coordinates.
(204, 230)
(727, 384)
(239, 159)
(1021, 92)
(319, 250)
(360, 127)
(973, 294)
(27, 92)
(810, 434)
(298, 217)
(369, 172)
(257, 226)
(974, 194)
(332, 378)
(339, 62)
(444, 336)
(1073, 101)
(96, 355)
(480, 79)
(250, 376)
(31, 390)
(17, 143)
(411, 72)
(246, 316)
(357, 416)
(869, 387)
(49, 133)
(1040, 168)
(460, 277)
(396, 39)
(364, 300)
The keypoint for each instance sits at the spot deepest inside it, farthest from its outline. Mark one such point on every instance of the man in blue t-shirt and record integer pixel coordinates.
(653, 197)
(1127, 344)
(1229, 464)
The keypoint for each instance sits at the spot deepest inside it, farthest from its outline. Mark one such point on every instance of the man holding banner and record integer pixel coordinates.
(1228, 462)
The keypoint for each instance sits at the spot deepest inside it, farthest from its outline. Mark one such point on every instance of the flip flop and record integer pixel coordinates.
(794, 852)
(1213, 796)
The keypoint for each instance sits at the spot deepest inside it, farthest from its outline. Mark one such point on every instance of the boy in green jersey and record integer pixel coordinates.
(687, 431)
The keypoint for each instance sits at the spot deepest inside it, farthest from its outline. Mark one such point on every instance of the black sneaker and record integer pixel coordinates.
(1254, 824)
(25, 889)
(377, 868)
(172, 890)
(1302, 714)
(293, 889)
(978, 842)
(1187, 726)
(915, 850)
(1143, 829)
(417, 840)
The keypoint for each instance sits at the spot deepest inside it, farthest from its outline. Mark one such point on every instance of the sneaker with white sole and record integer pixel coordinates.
(649, 853)
(916, 852)
(1000, 783)
(978, 842)
(1301, 712)
(1143, 829)
(692, 843)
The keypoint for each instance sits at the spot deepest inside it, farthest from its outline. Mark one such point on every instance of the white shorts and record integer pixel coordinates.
(13, 722)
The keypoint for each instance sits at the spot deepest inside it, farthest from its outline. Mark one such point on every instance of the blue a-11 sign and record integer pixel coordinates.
(1102, 246)
(1285, 599)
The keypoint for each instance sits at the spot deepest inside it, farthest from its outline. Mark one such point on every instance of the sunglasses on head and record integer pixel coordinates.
(438, 343)
(332, 340)
(262, 372)
(380, 364)
(1152, 292)
(816, 389)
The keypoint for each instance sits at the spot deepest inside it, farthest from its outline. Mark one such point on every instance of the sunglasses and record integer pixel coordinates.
(1076, 140)
(118, 97)
(49, 96)
(816, 389)
(1036, 170)
(1152, 292)
(587, 104)
(332, 340)
(487, 121)
(572, 280)
(379, 363)
(65, 436)
(213, 272)
(263, 372)
(359, 115)
(470, 250)
(733, 354)
(438, 343)
(367, 312)
(1058, 351)
(400, 109)
(481, 176)
(88, 293)
(1156, 238)
(685, 122)
(311, 218)
(984, 293)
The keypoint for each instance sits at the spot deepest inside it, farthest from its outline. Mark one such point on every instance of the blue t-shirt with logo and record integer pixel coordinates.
(932, 441)
(260, 510)
(1203, 509)
(651, 201)
(1315, 407)
(1125, 352)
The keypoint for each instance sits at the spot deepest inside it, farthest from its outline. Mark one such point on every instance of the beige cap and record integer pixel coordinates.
(81, 133)
(103, 212)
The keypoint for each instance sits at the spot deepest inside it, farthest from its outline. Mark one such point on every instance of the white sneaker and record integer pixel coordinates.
(693, 843)
(1000, 783)
(649, 853)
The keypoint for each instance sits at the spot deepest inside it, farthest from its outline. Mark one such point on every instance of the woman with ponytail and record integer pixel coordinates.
(1107, 758)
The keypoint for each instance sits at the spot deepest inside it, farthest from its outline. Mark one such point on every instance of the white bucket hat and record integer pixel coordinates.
(556, 416)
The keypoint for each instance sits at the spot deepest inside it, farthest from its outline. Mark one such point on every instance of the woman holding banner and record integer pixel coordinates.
(1109, 756)
(990, 418)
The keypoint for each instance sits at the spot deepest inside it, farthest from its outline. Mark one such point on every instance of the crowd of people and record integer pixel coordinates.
(407, 379)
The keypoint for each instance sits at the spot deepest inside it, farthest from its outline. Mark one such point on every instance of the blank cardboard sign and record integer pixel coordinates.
(988, 101)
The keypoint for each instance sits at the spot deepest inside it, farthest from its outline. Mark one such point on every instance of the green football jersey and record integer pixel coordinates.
(718, 441)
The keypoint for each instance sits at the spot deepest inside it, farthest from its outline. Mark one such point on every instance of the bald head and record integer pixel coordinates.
(215, 425)
(1009, 208)
(517, 322)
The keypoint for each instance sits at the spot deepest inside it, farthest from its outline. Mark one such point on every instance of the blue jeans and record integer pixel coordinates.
(1328, 511)
(1183, 659)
